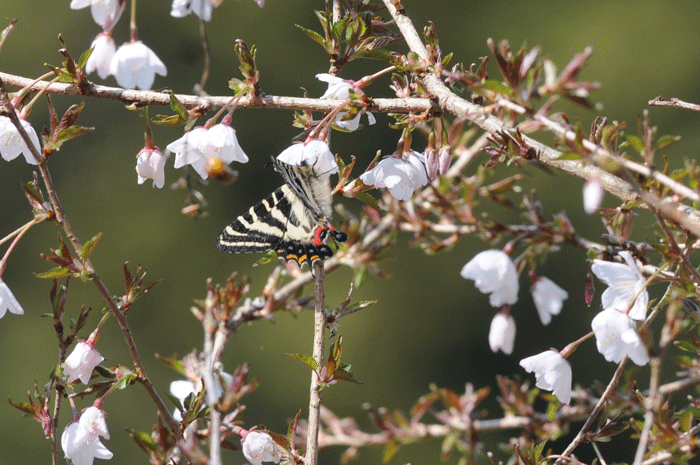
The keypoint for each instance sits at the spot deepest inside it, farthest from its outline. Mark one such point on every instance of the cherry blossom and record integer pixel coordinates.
(201, 8)
(553, 373)
(314, 153)
(80, 440)
(80, 363)
(549, 299)
(198, 145)
(616, 337)
(494, 273)
(134, 65)
(259, 447)
(626, 285)
(401, 176)
(339, 89)
(502, 333)
(592, 196)
(182, 388)
(11, 142)
(101, 58)
(150, 164)
(8, 301)
(106, 13)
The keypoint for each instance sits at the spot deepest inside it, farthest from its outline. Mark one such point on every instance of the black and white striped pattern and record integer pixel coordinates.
(294, 220)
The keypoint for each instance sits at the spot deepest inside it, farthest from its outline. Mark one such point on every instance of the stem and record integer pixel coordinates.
(311, 457)
(209, 360)
(598, 408)
(199, 88)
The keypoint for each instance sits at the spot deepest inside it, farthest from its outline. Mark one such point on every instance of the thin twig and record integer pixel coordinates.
(311, 457)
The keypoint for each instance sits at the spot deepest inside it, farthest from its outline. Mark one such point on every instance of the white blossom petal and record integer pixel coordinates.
(134, 65)
(549, 299)
(314, 153)
(625, 284)
(80, 363)
(553, 373)
(616, 337)
(259, 447)
(8, 301)
(150, 164)
(11, 142)
(592, 196)
(401, 176)
(502, 333)
(494, 273)
(101, 58)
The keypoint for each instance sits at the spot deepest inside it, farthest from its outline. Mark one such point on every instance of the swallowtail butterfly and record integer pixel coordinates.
(294, 220)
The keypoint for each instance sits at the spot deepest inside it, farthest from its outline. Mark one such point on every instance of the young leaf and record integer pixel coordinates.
(307, 360)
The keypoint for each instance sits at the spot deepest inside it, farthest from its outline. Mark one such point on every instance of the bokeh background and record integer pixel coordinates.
(430, 325)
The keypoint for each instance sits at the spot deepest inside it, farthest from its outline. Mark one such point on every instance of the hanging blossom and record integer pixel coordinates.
(182, 388)
(259, 447)
(80, 363)
(81, 439)
(150, 164)
(616, 337)
(100, 60)
(198, 145)
(134, 65)
(626, 284)
(494, 273)
(8, 301)
(553, 373)
(401, 176)
(549, 299)
(201, 8)
(106, 13)
(339, 89)
(313, 153)
(11, 142)
(592, 196)
(502, 333)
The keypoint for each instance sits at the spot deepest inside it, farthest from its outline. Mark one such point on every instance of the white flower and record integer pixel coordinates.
(200, 144)
(553, 373)
(625, 282)
(494, 273)
(617, 337)
(12, 144)
(80, 363)
(150, 164)
(101, 57)
(549, 298)
(8, 301)
(339, 89)
(592, 196)
(80, 440)
(502, 333)
(106, 13)
(400, 176)
(135, 66)
(201, 8)
(314, 153)
(259, 447)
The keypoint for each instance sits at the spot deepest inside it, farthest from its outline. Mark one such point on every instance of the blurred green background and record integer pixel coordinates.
(430, 325)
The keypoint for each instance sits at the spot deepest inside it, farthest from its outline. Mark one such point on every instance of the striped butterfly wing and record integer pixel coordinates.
(293, 225)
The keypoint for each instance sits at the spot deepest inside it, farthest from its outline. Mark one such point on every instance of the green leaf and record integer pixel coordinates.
(635, 142)
(665, 141)
(344, 373)
(267, 258)
(496, 86)
(356, 307)
(390, 449)
(89, 246)
(368, 199)
(569, 156)
(57, 272)
(374, 54)
(145, 442)
(125, 381)
(71, 133)
(315, 36)
(360, 276)
(177, 106)
(307, 360)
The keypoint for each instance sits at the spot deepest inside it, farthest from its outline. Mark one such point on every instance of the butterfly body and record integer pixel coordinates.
(294, 220)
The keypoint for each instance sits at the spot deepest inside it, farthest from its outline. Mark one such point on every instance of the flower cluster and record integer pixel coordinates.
(133, 64)
(81, 439)
(401, 176)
